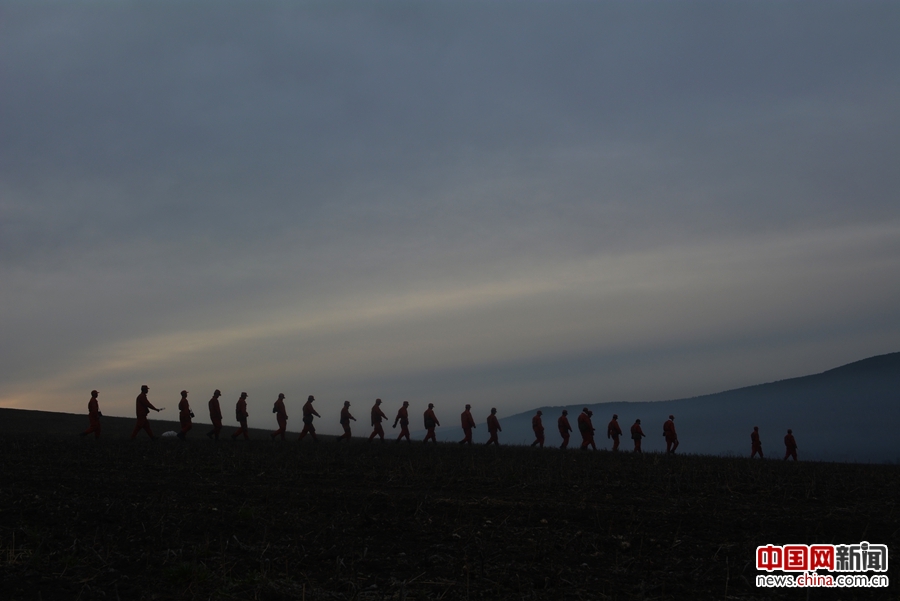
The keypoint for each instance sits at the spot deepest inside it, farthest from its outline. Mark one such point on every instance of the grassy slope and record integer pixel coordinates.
(199, 520)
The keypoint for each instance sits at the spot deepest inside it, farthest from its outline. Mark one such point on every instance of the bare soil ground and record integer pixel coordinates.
(120, 519)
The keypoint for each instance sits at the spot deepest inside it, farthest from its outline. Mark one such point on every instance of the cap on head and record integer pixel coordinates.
(280, 395)
(405, 403)
(310, 398)
(468, 406)
(585, 410)
(184, 393)
(493, 410)
(346, 403)
(217, 392)
(790, 431)
(565, 412)
(145, 388)
(243, 395)
(377, 401)
(671, 417)
(94, 393)
(615, 416)
(755, 428)
(540, 412)
(431, 405)
(637, 421)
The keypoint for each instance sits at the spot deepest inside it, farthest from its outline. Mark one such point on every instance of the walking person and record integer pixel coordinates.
(241, 415)
(308, 413)
(564, 428)
(345, 422)
(493, 426)
(377, 416)
(614, 431)
(586, 428)
(215, 414)
(184, 415)
(431, 422)
(755, 444)
(790, 446)
(537, 425)
(637, 433)
(281, 417)
(142, 408)
(93, 416)
(403, 419)
(468, 423)
(671, 436)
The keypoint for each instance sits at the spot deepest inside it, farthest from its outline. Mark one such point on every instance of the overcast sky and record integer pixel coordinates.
(509, 204)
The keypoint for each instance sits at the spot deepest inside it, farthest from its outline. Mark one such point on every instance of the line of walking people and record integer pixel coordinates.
(430, 421)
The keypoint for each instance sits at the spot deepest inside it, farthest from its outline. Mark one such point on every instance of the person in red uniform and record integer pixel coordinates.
(184, 415)
(538, 426)
(636, 434)
(142, 408)
(403, 419)
(468, 423)
(564, 428)
(586, 427)
(755, 444)
(493, 426)
(281, 417)
(308, 413)
(614, 431)
(345, 422)
(241, 415)
(671, 436)
(93, 416)
(377, 416)
(431, 422)
(790, 446)
(215, 414)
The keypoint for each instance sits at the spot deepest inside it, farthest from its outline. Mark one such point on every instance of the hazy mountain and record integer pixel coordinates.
(844, 414)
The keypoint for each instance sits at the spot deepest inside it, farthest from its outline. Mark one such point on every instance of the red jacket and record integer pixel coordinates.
(493, 424)
(789, 442)
(142, 405)
(308, 412)
(280, 410)
(613, 429)
(467, 420)
(402, 417)
(93, 407)
(536, 424)
(184, 408)
(669, 430)
(754, 438)
(563, 424)
(429, 413)
(584, 423)
(215, 411)
(346, 417)
(240, 410)
(636, 431)
(377, 415)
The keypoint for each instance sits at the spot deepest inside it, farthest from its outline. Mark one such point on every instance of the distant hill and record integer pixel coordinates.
(850, 413)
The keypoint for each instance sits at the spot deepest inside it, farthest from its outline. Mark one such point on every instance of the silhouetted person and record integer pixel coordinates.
(637, 434)
(790, 446)
(184, 415)
(755, 444)
(614, 431)
(241, 415)
(493, 426)
(93, 416)
(564, 428)
(468, 423)
(281, 417)
(215, 414)
(308, 413)
(671, 436)
(431, 422)
(345, 422)
(377, 416)
(586, 428)
(538, 426)
(403, 419)
(142, 407)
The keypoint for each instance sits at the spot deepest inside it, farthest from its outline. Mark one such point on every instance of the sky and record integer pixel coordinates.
(510, 204)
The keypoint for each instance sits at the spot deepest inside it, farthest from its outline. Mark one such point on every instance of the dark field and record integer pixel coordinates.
(115, 519)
